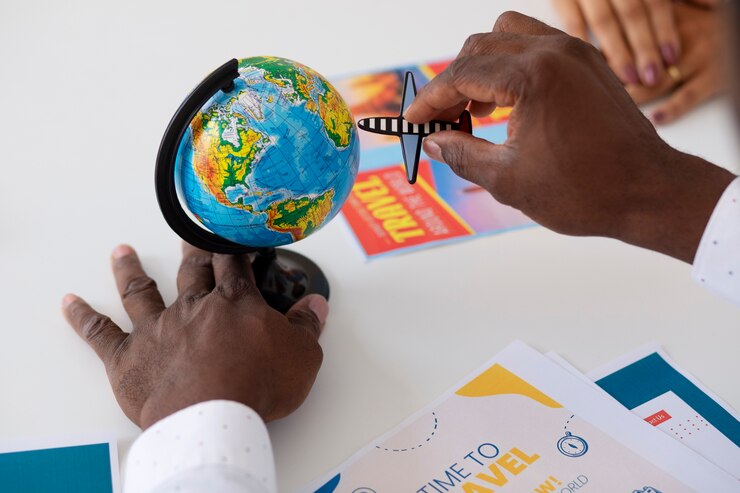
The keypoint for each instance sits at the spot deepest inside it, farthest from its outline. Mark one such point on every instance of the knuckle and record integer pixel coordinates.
(138, 285)
(197, 260)
(192, 297)
(507, 20)
(234, 288)
(460, 69)
(95, 326)
(475, 44)
(454, 156)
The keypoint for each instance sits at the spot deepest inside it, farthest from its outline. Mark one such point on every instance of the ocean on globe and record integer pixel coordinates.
(272, 160)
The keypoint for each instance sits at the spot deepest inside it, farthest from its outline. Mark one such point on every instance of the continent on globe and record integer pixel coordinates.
(300, 217)
(273, 159)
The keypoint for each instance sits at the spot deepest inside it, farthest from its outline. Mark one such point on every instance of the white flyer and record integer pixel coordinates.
(522, 423)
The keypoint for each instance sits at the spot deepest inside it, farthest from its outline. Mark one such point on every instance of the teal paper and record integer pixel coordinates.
(79, 469)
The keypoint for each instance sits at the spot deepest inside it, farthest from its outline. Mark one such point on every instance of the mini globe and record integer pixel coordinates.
(269, 159)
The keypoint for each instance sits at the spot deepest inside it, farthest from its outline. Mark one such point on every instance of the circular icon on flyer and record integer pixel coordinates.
(363, 490)
(572, 445)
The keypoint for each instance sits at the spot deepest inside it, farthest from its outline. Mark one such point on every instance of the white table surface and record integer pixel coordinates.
(88, 87)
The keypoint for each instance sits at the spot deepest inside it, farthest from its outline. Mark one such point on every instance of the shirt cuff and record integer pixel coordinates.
(226, 434)
(717, 261)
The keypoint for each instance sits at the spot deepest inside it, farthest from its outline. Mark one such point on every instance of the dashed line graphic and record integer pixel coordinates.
(428, 439)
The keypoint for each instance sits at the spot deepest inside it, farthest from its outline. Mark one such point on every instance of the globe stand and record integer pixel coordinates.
(284, 277)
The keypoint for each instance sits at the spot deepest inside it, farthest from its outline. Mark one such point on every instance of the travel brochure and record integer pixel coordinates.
(385, 213)
(525, 422)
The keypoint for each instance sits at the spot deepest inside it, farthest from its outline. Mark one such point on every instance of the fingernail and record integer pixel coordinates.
(650, 74)
(631, 75)
(320, 307)
(670, 53)
(122, 251)
(433, 150)
(658, 117)
(68, 300)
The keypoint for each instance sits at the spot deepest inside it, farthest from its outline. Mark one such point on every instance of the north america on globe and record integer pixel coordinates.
(272, 160)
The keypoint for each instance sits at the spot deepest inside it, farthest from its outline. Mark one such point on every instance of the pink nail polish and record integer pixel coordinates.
(658, 117)
(650, 74)
(670, 54)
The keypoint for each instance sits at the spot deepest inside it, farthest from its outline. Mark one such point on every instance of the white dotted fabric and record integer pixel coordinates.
(717, 261)
(215, 446)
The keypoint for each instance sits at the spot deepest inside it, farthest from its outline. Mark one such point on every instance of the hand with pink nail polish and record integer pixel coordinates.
(218, 340)
(638, 37)
(702, 71)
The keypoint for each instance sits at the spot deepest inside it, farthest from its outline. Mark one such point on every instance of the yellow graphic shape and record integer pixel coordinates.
(497, 380)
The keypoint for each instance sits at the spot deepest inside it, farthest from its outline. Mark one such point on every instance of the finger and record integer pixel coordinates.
(641, 94)
(636, 25)
(195, 276)
(233, 275)
(689, 66)
(495, 79)
(453, 113)
(477, 160)
(104, 336)
(692, 93)
(309, 313)
(664, 27)
(573, 20)
(481, 110)
(604, 24)
(139, 293)
(514, 22)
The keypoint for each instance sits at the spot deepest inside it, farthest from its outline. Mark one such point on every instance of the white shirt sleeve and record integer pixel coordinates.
(215, 446)
(717, 261)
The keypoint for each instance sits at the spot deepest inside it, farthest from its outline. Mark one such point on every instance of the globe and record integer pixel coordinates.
(271, 160)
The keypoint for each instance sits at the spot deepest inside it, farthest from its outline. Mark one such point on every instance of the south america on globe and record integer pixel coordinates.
(271, 160)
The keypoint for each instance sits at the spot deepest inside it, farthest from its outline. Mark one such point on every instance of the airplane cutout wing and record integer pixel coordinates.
(412, 134)
(410, 144)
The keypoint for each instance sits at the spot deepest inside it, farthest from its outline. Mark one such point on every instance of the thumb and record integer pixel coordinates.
(469, 157)
(309, 313)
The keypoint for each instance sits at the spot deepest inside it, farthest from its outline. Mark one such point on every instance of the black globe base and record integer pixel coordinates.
(284, 277)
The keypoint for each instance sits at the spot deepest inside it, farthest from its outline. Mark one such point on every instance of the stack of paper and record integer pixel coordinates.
(526, 422)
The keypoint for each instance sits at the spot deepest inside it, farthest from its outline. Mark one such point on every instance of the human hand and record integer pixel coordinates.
(638, 37)
(701, 73)
(219, 340)
(580, 158)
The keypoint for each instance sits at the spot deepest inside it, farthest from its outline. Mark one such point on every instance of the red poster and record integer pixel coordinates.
(388, 214)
